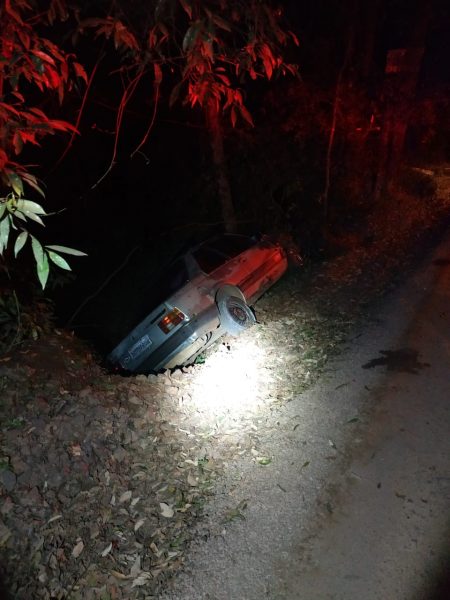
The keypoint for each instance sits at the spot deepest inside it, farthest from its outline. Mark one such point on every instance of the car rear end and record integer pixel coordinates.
(165, 338)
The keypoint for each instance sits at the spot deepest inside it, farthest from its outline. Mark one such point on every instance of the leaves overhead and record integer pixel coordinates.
(206, 50)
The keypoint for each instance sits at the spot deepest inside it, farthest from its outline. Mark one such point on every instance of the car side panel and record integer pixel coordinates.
(265, 265)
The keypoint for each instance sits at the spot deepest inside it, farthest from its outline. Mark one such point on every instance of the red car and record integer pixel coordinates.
(204, 294)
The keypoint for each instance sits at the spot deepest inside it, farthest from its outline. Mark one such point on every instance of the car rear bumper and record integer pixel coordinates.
(177, 349)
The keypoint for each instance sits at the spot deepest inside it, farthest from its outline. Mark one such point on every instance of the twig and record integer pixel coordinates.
(129, 91)
(80, 114)
(150, 127)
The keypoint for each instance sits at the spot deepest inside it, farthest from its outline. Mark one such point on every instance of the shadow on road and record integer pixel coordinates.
(404, 360)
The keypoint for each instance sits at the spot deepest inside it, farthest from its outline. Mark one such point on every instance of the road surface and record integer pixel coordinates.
(355, 503)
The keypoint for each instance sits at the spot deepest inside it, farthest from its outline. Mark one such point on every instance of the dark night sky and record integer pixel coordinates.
(169, 184)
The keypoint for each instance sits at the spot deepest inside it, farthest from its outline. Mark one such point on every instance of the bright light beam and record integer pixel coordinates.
(232, 381)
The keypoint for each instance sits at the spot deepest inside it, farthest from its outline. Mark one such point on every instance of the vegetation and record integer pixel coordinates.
(206, 52)
(31, 67)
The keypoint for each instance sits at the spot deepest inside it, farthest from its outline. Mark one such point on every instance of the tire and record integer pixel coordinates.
(235, 315)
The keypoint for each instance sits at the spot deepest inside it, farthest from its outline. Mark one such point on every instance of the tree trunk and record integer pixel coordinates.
(332, 134)
(401, 75)
(370, 18)
(220, 167)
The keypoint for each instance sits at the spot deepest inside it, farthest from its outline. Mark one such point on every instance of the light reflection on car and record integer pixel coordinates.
(204, 294)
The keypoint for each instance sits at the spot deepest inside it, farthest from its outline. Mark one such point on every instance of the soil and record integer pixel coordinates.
(103, 478)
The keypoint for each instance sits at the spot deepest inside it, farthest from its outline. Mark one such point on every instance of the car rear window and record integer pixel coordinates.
(159, 289)
(208, 259)
(214, 253)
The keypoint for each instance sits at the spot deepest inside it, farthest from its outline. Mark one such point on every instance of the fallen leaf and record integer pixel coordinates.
(305, 464)
(235, 513)
(125, 497)
(5, 534)
(118, 575)
(166, 510)
(264, 460)
(139, 524)
(78, 549)
(75, 450)
(55, 518)
(192, 481)
(107, 550)
(154, 548)
(136, 568)
(134, 400)
(141, 580)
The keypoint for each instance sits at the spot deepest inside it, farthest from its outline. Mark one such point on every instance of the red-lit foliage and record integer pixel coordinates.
(30, 65)
(206, 49)
(204, 52)
(31, 68)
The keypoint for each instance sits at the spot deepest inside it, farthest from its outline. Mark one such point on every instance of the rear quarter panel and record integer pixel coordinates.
(265, 265)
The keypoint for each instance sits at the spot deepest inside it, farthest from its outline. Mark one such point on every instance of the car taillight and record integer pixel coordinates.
(279, 255)
(171, 320)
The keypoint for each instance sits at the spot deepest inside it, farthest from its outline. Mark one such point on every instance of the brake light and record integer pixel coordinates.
(279, 255)
(171, 320)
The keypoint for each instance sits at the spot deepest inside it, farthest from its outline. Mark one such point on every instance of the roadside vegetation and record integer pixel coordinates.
(130, 131)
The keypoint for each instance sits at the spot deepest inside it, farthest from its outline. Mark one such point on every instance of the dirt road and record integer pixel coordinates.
(355, 501)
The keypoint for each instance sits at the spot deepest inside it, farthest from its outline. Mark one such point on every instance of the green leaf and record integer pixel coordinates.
(264, 460)
(38, 251)
(43, 270)
(30, 215)
(20, 216)
(16, 183)
(59, 260)
(26, 206)
(174, 94)
(191, 36)
(66, 250)
(32, 182)
(20, 242)
(221, 23)
(354, 420)
(2, 209)
(4, 233)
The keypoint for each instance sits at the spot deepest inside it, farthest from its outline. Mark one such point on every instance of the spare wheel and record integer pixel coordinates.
(235, 314)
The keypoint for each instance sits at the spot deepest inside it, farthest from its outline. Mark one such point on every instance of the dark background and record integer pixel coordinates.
(148, 207)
